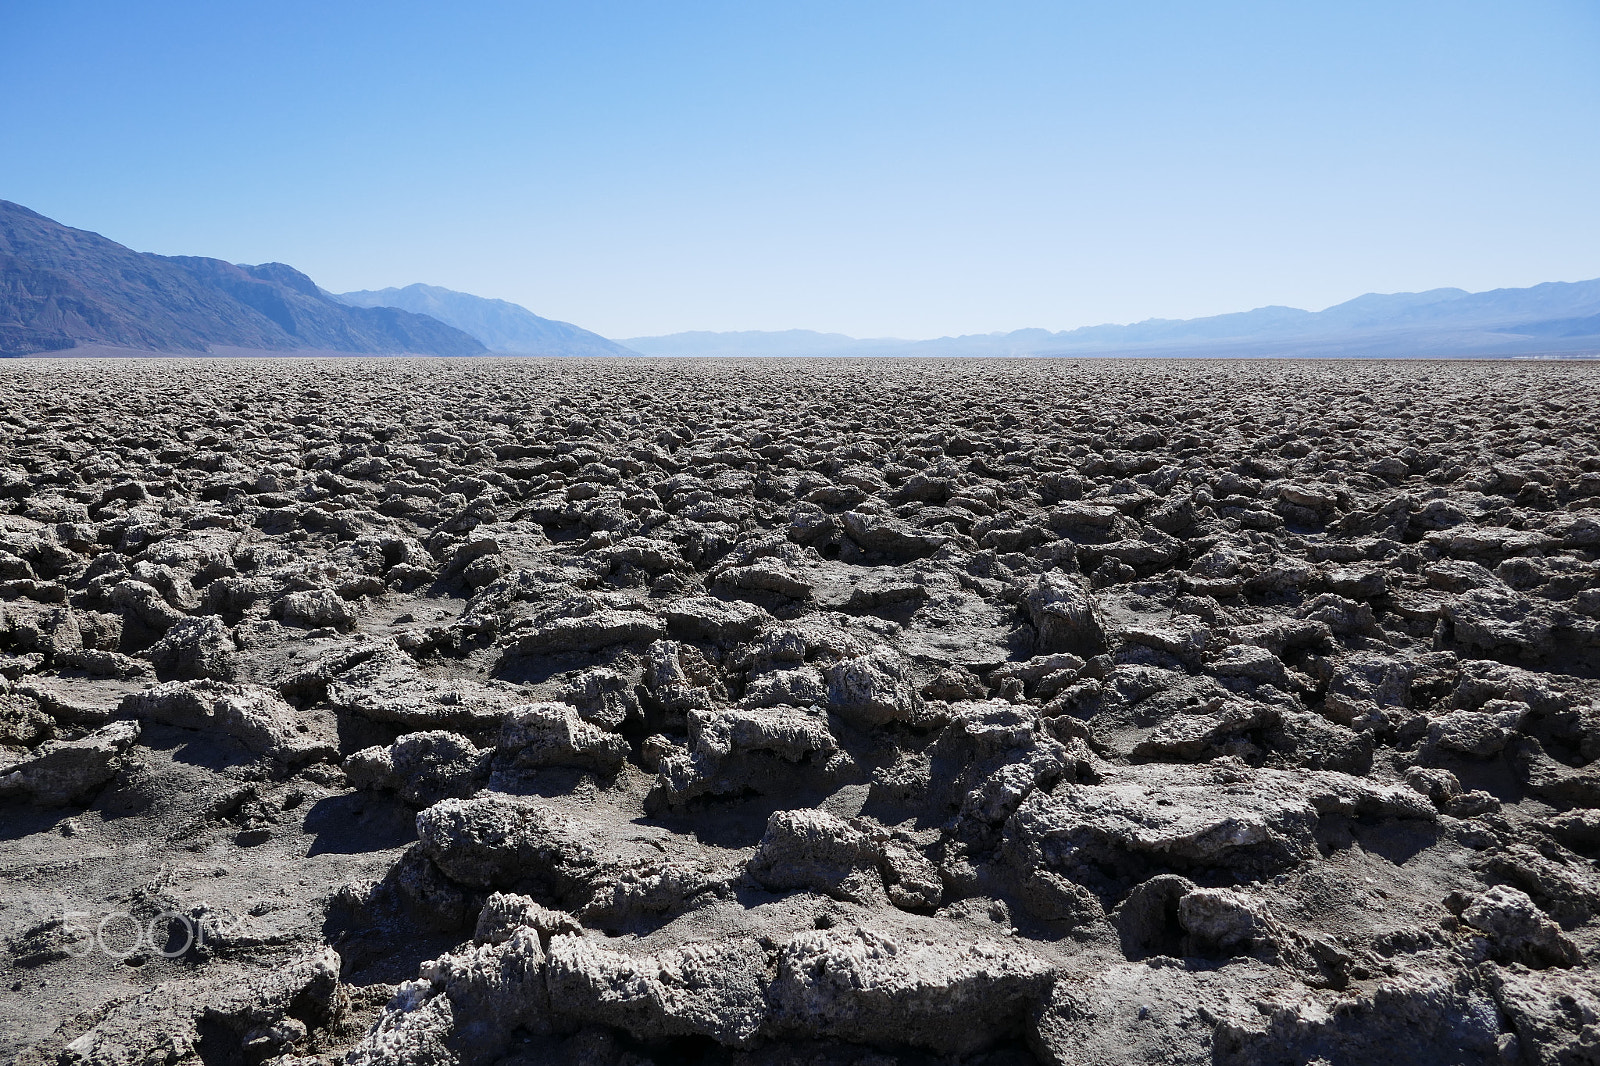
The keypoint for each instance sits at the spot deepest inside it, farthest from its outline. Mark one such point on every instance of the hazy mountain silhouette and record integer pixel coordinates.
(501, 326)
(1556, 318)
(61, 287)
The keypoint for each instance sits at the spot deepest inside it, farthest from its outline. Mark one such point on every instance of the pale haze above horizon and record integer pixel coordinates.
(889, 169)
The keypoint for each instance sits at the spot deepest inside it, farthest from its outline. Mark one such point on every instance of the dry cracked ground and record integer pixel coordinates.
(568, 712)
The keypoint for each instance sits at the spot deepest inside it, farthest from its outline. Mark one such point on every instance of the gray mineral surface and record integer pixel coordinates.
(799, 713)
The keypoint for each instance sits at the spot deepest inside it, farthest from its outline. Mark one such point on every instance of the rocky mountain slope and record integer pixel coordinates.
(61, 287)
(502, 326)
(631, 711)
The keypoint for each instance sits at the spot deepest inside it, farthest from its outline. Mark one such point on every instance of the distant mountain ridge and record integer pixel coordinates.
(62, 287)
(1555, 318)
(500, 325)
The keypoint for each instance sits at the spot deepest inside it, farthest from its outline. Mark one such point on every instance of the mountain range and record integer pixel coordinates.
(500, 325)
(1555, 319)
(62, 288)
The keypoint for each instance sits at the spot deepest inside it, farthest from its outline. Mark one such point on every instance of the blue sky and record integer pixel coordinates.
(874, 168)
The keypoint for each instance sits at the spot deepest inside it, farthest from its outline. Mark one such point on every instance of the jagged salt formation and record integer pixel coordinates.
(535, 712)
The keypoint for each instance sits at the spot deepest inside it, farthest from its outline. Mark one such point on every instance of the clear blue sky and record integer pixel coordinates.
(875, 168)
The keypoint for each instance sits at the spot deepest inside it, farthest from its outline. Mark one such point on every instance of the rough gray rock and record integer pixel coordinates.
(1556, 1016)
(1157, 1011)
(848, 859)
(1064, 617)
(504, 913)
(588, 632)
(708, 618)
(819, 851)
(422, 768)
(871, 690)
(537, 735)
(712, 989)
(1251, 822)
(256, 717)
(195, 648)
(950, 995)
(500, 842)
(316, 608)
(1422, 1015)
(59, 772)
(386, 685)
(749, 749)
(262, 1013)
(604, 698)
(1517, 931)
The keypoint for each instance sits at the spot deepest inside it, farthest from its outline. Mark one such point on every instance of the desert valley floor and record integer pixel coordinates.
(802, 713)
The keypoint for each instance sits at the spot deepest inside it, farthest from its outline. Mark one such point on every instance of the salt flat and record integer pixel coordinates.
(613, 711)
